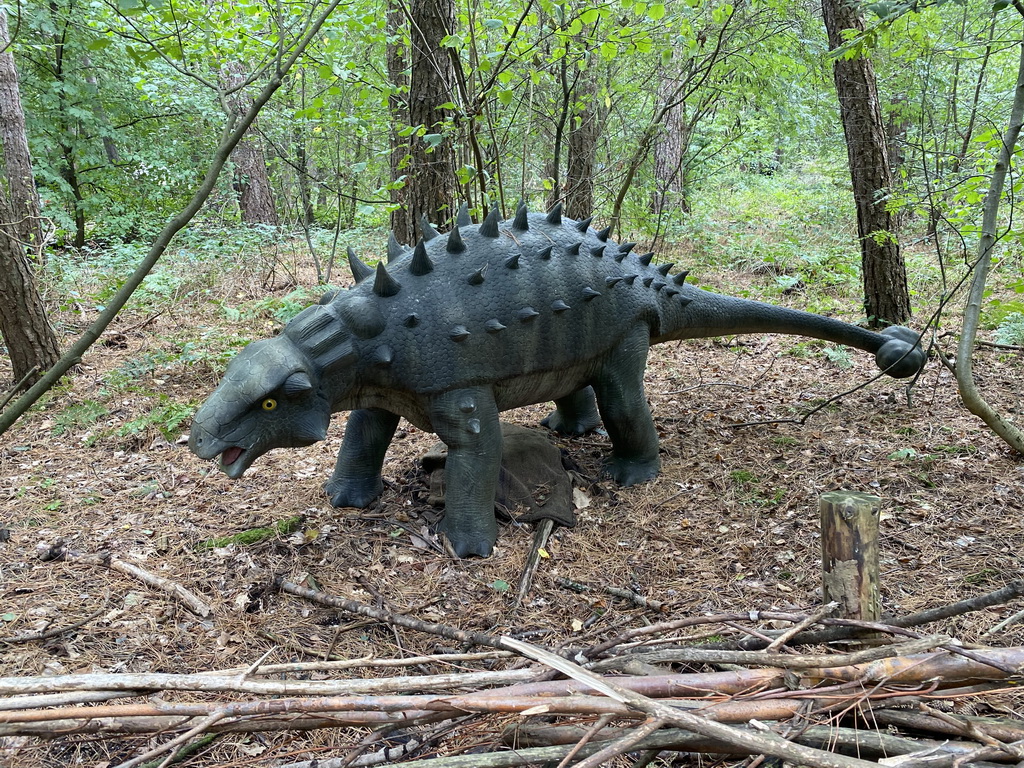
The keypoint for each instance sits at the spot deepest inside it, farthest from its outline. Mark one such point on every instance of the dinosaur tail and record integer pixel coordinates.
(700, 314)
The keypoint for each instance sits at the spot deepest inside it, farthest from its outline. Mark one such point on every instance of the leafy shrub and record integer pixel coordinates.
(1011, 329)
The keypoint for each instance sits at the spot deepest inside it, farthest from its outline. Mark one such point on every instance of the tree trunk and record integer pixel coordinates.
(21, 186)
(398, 108)
(581, 149)
(886, 298)
(670, 152)
(252, 182)
(430, 175)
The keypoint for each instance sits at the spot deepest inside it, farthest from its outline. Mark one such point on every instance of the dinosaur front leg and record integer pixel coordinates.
(574, 414)
(620, 397)
(356, 480)
(466, 420)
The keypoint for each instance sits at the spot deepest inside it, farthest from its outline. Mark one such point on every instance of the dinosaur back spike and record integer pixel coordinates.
(664, 268)
(589, 294)
(360, 270)
(455, 242)
(646, 259)
(395, 249)
(385, 285)
(559, 306)
(681, 277)
(462, 218)
(521, 221)
(582, 225)
(598, 251)
(459, 333)
(555, 215)
(490, 226)
(421, 263)
(512, 262)
(429, 233)
(545, 254)
(603, 234)
(494, 326)
(477, 277)
(574, 249)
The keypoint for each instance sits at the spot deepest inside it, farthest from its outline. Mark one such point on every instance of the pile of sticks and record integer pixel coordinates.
(643, 692)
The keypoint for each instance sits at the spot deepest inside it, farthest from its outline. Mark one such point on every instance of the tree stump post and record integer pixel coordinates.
(849, 553)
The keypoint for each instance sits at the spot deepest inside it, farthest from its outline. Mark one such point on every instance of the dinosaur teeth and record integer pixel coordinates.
(555, 215)
(360, 270)
(385, 285)
(603, 234)
(512, 262)
(411, 321)
(582, 225)
(559, 306)
(574, 249)
(681, 277)
(589, 294)
(477, 277)
(455, 242)
(646, 259)
(598, 251)
(395, 249)
(545, 254)
(421, 263)
(521, 221)
(462, 218)
(493, 326)
(610, 281)
(459, 333)
(664, 268)
(490, 226)
(526, 314)
(429, 233)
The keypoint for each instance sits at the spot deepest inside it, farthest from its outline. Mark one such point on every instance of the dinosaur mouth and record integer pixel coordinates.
(231, 455)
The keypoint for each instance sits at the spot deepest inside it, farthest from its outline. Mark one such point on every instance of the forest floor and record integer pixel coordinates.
(731, 523)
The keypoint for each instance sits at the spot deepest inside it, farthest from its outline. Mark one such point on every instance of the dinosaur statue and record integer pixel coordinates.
(474, 322)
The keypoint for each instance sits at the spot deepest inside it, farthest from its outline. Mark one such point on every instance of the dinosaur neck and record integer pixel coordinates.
(711, 314)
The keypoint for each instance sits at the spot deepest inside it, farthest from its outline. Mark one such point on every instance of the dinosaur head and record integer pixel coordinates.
(269, 398)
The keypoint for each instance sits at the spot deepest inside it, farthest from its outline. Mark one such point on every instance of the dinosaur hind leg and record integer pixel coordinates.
(620, 397)
(574, 414)
(356, 480)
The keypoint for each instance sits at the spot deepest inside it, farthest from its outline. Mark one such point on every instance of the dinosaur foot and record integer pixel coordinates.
(469, 543)
(353, 492)
(566, 426)
(628, 472)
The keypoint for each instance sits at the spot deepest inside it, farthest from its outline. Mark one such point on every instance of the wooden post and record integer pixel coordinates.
(849, 553)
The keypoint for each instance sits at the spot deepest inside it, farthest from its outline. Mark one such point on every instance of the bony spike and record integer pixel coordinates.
(384, 285)
(421, 263)
(360, 270)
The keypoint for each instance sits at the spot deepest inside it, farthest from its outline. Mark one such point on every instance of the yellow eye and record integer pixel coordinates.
(269, 404)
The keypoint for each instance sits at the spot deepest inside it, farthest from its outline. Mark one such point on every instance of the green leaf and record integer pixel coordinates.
(656, 12)
(500, 585)
(493, 23)
(590, 15)
(99, 44)
(433, 140)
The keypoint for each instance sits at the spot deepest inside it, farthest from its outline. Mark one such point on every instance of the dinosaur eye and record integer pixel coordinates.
(269, 404)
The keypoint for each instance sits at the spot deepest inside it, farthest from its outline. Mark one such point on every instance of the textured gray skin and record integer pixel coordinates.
(473, 323)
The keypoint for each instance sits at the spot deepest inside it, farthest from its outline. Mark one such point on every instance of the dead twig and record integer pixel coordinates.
(540, 540)
(625, 594)
(826, 610)
(397, 619)
(46, 634)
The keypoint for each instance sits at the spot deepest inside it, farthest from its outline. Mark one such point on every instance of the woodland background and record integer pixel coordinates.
(839, 159)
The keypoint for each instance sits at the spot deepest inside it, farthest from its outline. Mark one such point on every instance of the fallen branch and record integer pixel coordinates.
(59, 551)
(756, 743)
